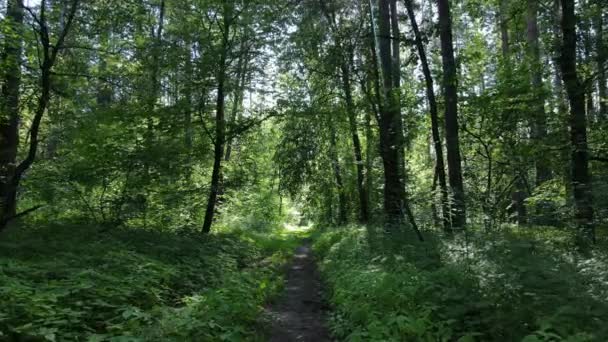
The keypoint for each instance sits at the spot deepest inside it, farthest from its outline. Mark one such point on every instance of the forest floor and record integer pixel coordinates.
(299, 313)
(79, 282)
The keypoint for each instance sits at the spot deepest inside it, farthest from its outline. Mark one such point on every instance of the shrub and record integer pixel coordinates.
(71, 283)
(513, 289)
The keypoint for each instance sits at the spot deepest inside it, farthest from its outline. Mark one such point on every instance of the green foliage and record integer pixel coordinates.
(517, 288)
(384, 296)
(548, 203)
(68, 283)
(125, 157)
(252, 200)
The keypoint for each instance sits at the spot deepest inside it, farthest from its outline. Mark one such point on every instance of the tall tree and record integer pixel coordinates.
(152, 94)
(391, 141)
(354, 132)
(346, 59)
(518, 193)
(220, 119)
(601, 53)
(154, 83)
(239, 91)
(335, 162)
(578, 126)
(432, 101)
(450, 90)
(188, 90)
(10, 61)
(585, 23)
(539, 120)
(49, 53)
(504, 26)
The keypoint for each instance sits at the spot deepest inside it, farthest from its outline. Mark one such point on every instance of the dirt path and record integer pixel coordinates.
(299, 314)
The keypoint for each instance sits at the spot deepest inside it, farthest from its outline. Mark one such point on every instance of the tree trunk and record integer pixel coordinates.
(241, 76)
(601, 62)
(539, 122)
(49, 53)
(9, 106)
(342, 213)
(352, 121)
(377, 99)
(346, 60)
(451, 114)
(518, 194)
(151, 102)
(369, 148)
(578, 127)
(188, 132)
(220, 127)
(585, 24)
(395, 40)
(504, 27)
(154, 89)
(518, 198)
(104, 90)
(434, 213)
(396, 71)
(390, 121)
(560, 102)
(437, 141)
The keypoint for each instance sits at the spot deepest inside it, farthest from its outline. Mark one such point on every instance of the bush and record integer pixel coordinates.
(73, 283)
(507, 291)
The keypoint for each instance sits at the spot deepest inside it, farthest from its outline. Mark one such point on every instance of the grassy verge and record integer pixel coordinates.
(73, 283)
(514, 288)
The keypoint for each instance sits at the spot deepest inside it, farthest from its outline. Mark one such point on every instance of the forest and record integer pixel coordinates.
(303, 170)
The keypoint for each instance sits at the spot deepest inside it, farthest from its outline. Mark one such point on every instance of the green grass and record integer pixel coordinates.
(77, 283)
(514, 288)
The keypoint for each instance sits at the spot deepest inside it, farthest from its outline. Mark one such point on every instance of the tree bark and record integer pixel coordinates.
(151, 101)
(578, 127)
(585, 24)
(434, 211)
(504, 27)
(9, 106)
(241, 76)
(369, 148)
(154, 89)
(601, 62)
(104, 89)
(430, 93)
(518, 193)
(342, 211)
(396, 71)
(539, 122)
(352, 121)
(451, 115)
(376, 65)
(220, 126)
(560, 102)
(49, 53)
(347, 59)
(395, 40)
(188, 133)
(391, 134)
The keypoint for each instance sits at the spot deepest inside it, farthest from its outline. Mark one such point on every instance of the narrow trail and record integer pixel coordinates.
(299, 315)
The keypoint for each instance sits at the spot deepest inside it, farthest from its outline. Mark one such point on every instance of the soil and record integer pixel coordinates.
(299, 314)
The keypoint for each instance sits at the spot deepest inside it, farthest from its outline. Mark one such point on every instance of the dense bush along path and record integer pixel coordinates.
(299, 314)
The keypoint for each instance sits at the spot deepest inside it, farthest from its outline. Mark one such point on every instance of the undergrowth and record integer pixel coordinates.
(514, 288)
(79, 283)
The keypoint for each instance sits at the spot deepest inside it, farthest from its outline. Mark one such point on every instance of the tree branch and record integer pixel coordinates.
(600, 159)
(21, 214)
